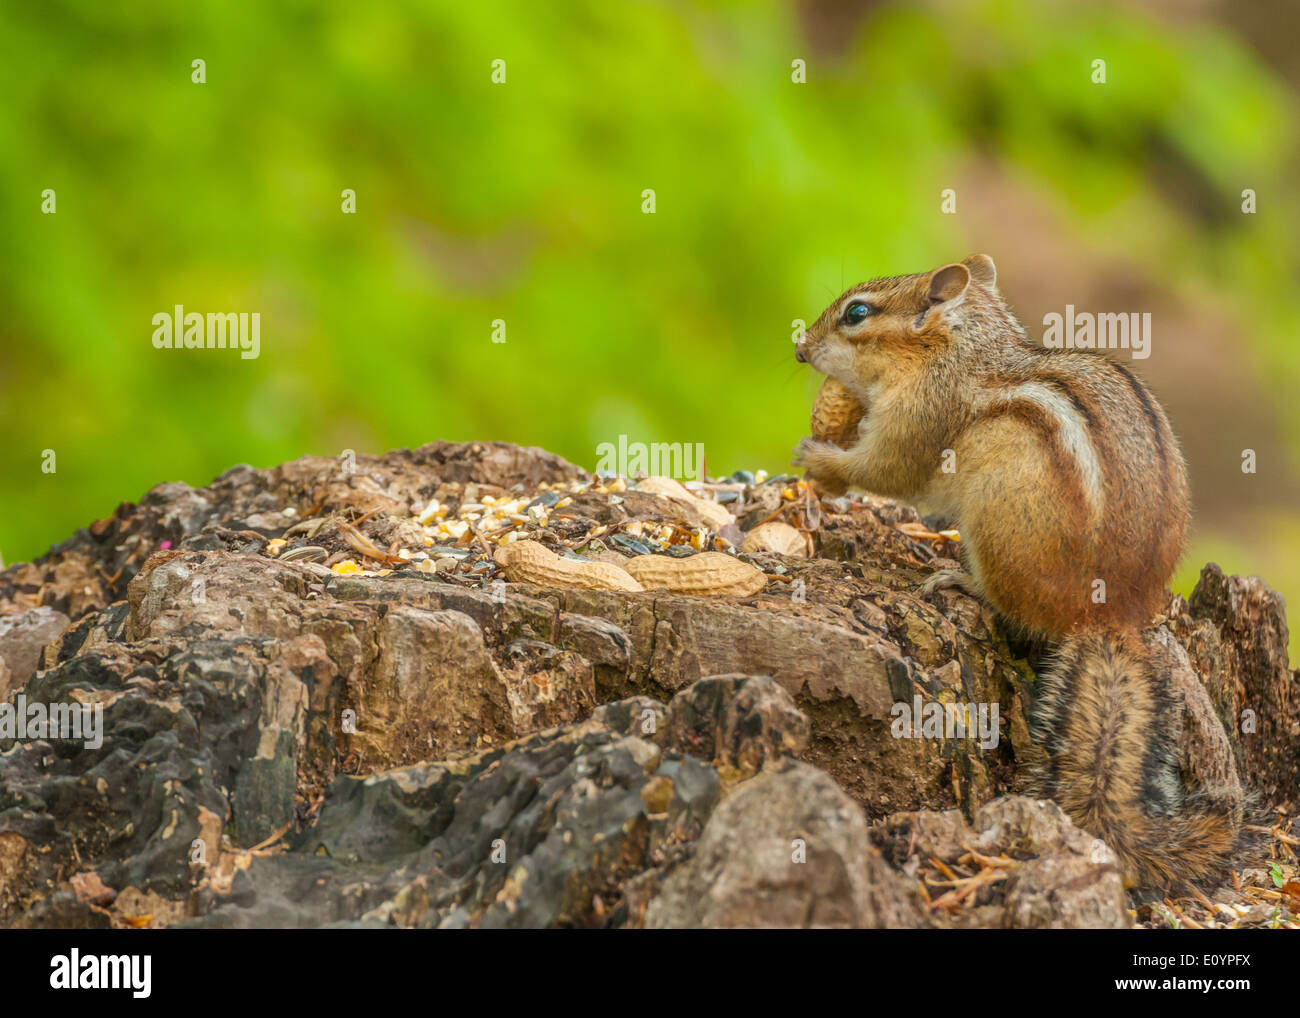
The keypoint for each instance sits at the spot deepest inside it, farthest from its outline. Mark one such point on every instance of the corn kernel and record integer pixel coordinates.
(434, 508)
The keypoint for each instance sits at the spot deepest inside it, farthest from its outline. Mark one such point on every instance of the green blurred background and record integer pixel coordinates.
(522, 201)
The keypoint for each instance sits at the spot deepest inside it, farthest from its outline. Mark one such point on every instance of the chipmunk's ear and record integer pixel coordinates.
(982, 270)
(948, 283)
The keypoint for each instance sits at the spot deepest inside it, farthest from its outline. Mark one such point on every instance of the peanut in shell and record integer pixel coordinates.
(708, 574)
(836, 414)
(775, 536)
(531, 562)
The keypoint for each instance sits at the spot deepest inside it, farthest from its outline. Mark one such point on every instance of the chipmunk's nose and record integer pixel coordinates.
(801, 353)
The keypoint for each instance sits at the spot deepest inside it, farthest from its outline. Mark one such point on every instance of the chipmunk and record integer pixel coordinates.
(1062, 474)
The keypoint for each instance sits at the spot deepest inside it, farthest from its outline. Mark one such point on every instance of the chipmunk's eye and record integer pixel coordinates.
(857, 312)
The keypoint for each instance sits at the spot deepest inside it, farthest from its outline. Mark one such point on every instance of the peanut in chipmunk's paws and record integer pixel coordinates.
(822, 461)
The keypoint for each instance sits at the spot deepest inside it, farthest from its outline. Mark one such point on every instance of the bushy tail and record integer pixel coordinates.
(1107, 715)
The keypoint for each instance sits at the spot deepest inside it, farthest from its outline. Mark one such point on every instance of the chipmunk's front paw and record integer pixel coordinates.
(815, 455)
(823, 462)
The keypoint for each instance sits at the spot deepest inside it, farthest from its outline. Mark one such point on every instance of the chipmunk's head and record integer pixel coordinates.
(883, 326)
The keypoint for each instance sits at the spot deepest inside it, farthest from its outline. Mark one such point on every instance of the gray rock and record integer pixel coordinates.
(787, 848)
(23, 637)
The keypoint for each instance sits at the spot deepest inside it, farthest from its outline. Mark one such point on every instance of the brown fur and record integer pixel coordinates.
(1105, 712)
(1066, 473)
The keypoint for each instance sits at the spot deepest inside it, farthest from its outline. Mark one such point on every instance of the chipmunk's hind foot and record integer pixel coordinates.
(951, 579)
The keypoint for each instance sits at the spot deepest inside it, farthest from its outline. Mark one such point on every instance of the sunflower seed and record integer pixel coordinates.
(305, 553)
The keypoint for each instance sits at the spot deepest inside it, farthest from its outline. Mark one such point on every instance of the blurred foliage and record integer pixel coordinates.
(522, 202)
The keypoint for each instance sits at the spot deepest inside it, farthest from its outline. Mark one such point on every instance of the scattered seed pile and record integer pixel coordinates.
(607, 533)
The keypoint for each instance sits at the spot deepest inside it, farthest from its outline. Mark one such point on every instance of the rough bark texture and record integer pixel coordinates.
(286, 746)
